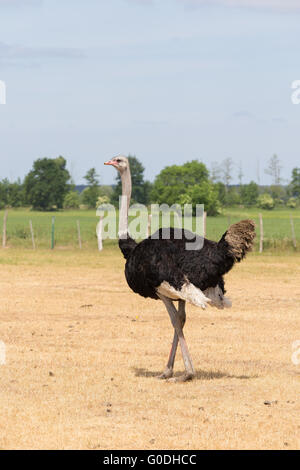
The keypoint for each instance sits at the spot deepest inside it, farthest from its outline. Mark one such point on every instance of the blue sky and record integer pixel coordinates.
(167, 80)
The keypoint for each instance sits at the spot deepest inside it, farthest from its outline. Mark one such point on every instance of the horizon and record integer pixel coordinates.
(283, 183)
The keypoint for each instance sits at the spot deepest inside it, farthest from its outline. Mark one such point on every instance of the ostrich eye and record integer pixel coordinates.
(118, 160)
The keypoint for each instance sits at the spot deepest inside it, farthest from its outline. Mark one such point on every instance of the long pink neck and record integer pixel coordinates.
(125, 202)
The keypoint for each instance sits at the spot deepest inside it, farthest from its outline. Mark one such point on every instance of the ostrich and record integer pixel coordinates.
(164, 269)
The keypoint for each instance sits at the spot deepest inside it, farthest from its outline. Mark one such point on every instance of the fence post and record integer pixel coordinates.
(32, 234)
(99, 233)
(293, 233)
(4, 228)
(79, 235)
(52, 233)
(261, 240)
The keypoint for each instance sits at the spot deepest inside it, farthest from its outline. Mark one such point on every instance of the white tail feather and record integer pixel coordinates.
(188, 292)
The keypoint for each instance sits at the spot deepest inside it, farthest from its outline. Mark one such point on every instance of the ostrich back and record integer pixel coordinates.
(158, 259)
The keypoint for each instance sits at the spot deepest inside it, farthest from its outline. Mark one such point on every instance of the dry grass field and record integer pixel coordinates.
(83, 352)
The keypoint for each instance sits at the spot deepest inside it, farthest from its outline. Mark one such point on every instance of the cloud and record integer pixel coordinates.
(16, 55)
(279, 120)
(141, 2)
(262, 4)
(17, 52)
(274, 4)
(18, 3)
(243, 114)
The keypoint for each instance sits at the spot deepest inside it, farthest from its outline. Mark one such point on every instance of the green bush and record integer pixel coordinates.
(102, 200)
(72, 200)
(292, 203)
(265, 201)
(249, 194)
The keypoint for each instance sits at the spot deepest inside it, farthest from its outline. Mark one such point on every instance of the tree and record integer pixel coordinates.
(265, 201)
(47, 183)
(205, 193)
(249, 194)
(72, 200)
(174, 180)
(233, 197)
(91, 193)
(295, 183)
(221, 188)
(106, 190)
(227, 166)
(240, 174)
(215, 172)
(186, 184)
(16, 195)
(278, 193)
(140, 187)
(274, 170)
(11, 194)
(292, 203)
(102, 201)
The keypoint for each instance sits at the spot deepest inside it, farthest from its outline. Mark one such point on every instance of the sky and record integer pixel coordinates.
(165, 80)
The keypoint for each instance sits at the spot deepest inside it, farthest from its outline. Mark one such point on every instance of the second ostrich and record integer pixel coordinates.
(164, 269)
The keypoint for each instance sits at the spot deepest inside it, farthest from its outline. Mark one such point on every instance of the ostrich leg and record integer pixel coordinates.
(168, 372)
(175, 319)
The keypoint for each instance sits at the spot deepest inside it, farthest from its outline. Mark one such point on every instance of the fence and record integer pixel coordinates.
(78, 230)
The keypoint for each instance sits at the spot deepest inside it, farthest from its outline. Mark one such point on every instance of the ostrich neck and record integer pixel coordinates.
(125, 202)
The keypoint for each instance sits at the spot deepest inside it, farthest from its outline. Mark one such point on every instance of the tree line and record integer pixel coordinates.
(48, 186)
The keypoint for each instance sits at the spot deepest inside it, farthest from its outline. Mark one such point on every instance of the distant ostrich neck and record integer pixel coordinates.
(125, 202)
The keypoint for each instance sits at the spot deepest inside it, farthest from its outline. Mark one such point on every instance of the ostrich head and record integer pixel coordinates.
(119, 162)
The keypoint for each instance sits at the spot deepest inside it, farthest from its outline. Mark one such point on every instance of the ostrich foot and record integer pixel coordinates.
(182, 378)
(167, 374)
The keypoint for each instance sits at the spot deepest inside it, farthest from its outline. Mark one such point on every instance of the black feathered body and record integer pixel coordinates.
(156, 259)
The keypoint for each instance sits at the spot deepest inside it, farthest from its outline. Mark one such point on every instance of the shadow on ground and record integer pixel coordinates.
(200, 374)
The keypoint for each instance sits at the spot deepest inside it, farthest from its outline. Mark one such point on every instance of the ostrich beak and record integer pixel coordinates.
(110, 162)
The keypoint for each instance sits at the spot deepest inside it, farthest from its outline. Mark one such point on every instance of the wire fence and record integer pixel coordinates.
(78, 230)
